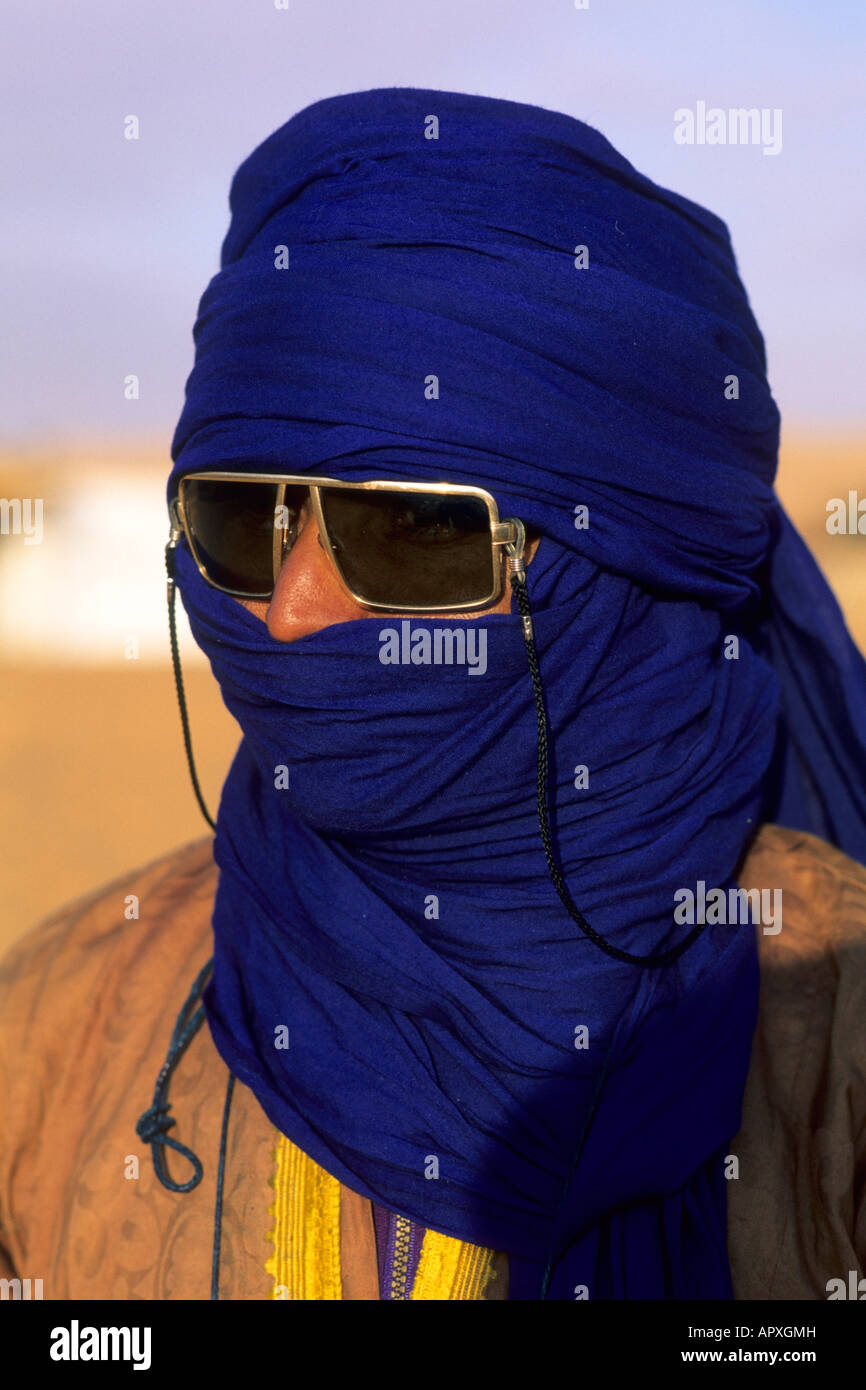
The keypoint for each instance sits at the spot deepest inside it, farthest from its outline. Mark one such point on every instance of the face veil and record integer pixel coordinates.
(383, 889)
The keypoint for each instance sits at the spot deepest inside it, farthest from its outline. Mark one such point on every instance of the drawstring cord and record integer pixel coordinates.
(153, 1125)
(218, 1209)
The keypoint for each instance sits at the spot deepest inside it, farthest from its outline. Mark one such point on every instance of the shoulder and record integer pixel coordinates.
(124, 940)
(88, 1004)
(822, 892)
(802, 857)
(797, 1214)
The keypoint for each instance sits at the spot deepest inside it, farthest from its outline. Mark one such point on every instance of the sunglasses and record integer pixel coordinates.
(398, 547)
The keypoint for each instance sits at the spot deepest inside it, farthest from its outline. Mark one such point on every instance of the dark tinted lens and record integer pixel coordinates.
(411, 549)
(232, 525)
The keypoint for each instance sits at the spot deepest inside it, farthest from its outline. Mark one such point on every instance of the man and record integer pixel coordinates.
(472, 512)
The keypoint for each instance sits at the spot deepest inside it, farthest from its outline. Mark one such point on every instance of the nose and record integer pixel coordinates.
(308, 595)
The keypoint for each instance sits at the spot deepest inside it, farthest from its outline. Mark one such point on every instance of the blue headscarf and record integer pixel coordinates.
(458, 1051)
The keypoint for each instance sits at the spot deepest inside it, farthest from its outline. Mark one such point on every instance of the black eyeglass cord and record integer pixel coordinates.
(518, 588)
(171, 588)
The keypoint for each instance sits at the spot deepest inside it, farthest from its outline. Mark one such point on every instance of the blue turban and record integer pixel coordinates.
(458, 1050)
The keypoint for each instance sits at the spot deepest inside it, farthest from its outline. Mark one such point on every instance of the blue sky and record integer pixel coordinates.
(107, 244)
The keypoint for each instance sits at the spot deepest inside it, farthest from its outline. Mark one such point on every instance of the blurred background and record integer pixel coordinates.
(106, 245)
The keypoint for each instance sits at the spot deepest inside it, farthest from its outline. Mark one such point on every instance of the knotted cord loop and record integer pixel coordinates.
(153, 1125)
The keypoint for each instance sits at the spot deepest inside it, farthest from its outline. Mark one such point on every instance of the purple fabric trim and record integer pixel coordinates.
(385, 1222)
(380, 1219)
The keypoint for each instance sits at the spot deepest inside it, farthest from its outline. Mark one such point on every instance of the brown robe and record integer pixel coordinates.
(88, 1001)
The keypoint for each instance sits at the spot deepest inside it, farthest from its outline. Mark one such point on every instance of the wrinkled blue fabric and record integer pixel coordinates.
(392, 906)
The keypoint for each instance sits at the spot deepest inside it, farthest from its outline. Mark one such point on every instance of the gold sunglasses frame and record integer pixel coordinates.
(507, 537)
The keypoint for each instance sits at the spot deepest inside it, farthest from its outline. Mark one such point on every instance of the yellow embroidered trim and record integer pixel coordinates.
(306, 1239)
(451, 1269)
(306, 1233)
